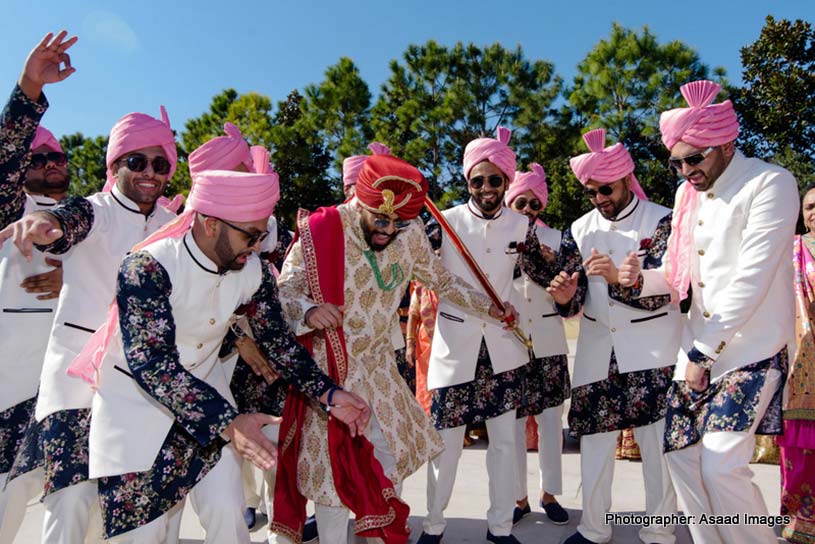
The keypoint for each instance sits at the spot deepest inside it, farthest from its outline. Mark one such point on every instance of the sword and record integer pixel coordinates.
(479, 275)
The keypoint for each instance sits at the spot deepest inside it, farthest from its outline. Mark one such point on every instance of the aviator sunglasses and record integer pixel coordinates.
(478, 181)
(252, 238)
(520, 203)
(604, 190)
(39, 160)
(690, 160)
(138, 162)
(384, 222)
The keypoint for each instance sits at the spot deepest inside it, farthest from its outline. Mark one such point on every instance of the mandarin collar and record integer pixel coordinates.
(625, 213)
(203, 262)
(126, 203)
(476, 212)
(733, 174)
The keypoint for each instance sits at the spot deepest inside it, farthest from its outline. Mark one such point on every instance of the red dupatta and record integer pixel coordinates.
(358, 476)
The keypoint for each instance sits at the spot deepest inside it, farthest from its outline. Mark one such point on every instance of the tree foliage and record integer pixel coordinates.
(440, 98)
(623, 84)
(86, 162)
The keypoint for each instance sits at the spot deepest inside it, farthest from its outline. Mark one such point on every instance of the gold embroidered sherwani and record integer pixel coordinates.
(369, 318)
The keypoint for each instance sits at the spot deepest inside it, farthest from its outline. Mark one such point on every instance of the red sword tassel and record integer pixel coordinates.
(479, 274)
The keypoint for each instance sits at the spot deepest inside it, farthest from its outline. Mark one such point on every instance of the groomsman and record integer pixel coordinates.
(734, 221)
(639, 337)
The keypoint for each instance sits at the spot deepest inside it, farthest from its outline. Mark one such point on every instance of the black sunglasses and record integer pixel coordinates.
(690, 160)
(39, 160)
(521, 203)
(604, 190)
(384, 222)
(138, 162)
(495, 181)
(252, 237)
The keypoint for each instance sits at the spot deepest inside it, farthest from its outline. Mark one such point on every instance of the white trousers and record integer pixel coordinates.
(332, 521)
(72, 515)
(501, 469)
(14, 500)
(218, 501)
(550, 448)
(597, 472)
(713, 477)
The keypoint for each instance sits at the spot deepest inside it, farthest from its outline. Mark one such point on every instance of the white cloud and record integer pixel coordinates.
(110, 30)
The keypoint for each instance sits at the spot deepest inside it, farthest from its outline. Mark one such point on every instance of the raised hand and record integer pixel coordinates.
(599, 264)
(563, 287)
(35, 228)
(246, 434)
(43, 64)
(629, 271)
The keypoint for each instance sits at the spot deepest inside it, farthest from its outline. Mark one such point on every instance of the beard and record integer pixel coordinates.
(368, 233)
(227, 256)
(46, 186)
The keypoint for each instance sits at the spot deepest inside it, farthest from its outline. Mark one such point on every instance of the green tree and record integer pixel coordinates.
(302, 166)
(250, 112)
(441, 98)
(86, 162)
(623, 84)
(776, 104)
(336, 113)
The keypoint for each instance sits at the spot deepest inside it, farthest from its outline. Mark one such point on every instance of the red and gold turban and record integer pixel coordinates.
(389, 185)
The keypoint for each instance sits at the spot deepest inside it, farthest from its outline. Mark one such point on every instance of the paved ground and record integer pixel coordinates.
(467, 510)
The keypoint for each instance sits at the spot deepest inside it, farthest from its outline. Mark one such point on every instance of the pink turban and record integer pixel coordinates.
(225, 194)
(221, 152)
(703, 124)
(136, 131)
(352, 165)
(534, 181)
(605, 164)
(495, 151)
(44, 137)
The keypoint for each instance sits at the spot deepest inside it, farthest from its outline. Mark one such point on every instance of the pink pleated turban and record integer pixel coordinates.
(497, 151)
(225, 194)
(136, 131)
(221, 152)
(353, 164)
(44, 137)
(703, 124)
(605, 164)
(534, 180)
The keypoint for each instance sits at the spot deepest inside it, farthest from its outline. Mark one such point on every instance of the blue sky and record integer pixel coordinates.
(134, 56)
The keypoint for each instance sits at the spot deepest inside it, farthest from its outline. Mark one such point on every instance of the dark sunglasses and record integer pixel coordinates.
(690, 160)
(138, 162)
(385, 222)
(604, 190)
(494, 181)
(252, 238)
(521, 203)
(39, 160)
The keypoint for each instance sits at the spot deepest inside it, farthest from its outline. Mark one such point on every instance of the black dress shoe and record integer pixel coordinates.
(429, 539)
(555, 513)
(249, 517)
(310, 530)
(519, 513)
(577, 538)
(508, 539)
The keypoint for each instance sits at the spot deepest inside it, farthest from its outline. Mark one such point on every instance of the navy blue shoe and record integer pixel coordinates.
(555, 513)
(310, 530)
(508, 539)
(519, 513)
(577, 538)
(249, 517)
(429, 539)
